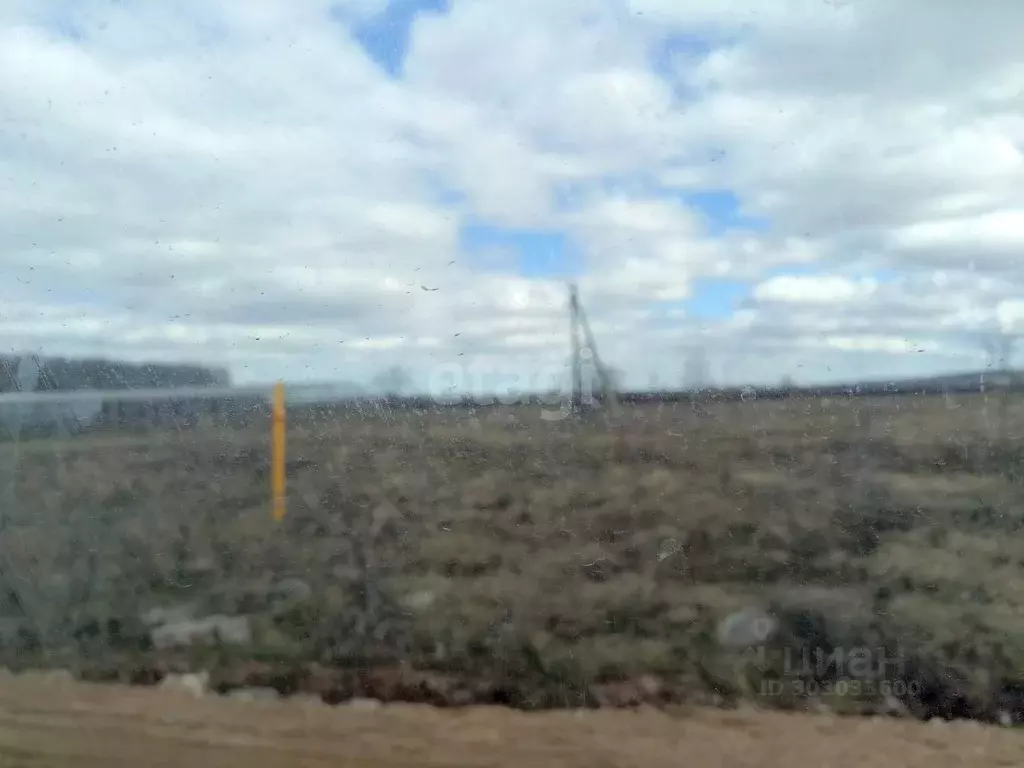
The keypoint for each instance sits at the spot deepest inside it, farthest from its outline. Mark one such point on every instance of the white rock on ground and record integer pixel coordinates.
(234, 630)
(747, 627)
(195, 683)
(1007, 719)
(419, 601)
(159, 616)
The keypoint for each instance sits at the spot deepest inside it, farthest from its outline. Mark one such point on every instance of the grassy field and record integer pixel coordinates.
(455, 557)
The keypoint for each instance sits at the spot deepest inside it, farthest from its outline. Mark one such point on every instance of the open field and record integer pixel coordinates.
(453, 557)
(55, 724)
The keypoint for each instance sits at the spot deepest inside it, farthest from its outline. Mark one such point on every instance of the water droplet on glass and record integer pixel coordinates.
(28, 374)
(668, 548)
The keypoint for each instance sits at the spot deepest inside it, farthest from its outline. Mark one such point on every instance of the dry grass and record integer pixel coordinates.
(529, 562)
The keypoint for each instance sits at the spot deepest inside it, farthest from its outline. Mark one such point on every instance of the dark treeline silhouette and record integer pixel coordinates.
(940, 385)
(67, 375)
(62, 374)
(240, 409)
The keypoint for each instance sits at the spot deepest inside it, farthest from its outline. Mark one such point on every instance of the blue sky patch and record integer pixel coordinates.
(385, 36)
(446, 194)
(716, 298)
(528, 253)
(675, 49)
(64, 18)
(672, 53)
(721, 209)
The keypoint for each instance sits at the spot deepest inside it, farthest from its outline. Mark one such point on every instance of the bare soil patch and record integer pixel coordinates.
(56, 724)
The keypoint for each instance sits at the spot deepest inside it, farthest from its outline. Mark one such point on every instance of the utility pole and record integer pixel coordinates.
(576, 401)
(579, 327)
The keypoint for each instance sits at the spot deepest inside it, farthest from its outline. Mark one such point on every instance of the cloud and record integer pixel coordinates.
(806, 289)
(258, 185)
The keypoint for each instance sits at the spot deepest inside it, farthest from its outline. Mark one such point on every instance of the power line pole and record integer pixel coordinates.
(576, 401)
(580, 327)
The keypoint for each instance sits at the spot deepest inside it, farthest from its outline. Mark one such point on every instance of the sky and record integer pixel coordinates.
(318, 191)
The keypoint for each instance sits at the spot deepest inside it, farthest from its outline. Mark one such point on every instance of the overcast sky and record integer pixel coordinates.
(313, 190)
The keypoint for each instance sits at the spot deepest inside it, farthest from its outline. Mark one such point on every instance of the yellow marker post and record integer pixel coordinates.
(277, 452)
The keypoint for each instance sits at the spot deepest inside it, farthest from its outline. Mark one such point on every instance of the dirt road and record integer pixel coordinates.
(51, 723)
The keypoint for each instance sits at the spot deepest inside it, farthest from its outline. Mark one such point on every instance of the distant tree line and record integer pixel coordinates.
(63, 374)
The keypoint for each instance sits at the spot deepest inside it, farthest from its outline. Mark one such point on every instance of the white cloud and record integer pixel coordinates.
(1010, 315)
(996, 233)
(240, 183)
(805, 289)
(888, 344)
